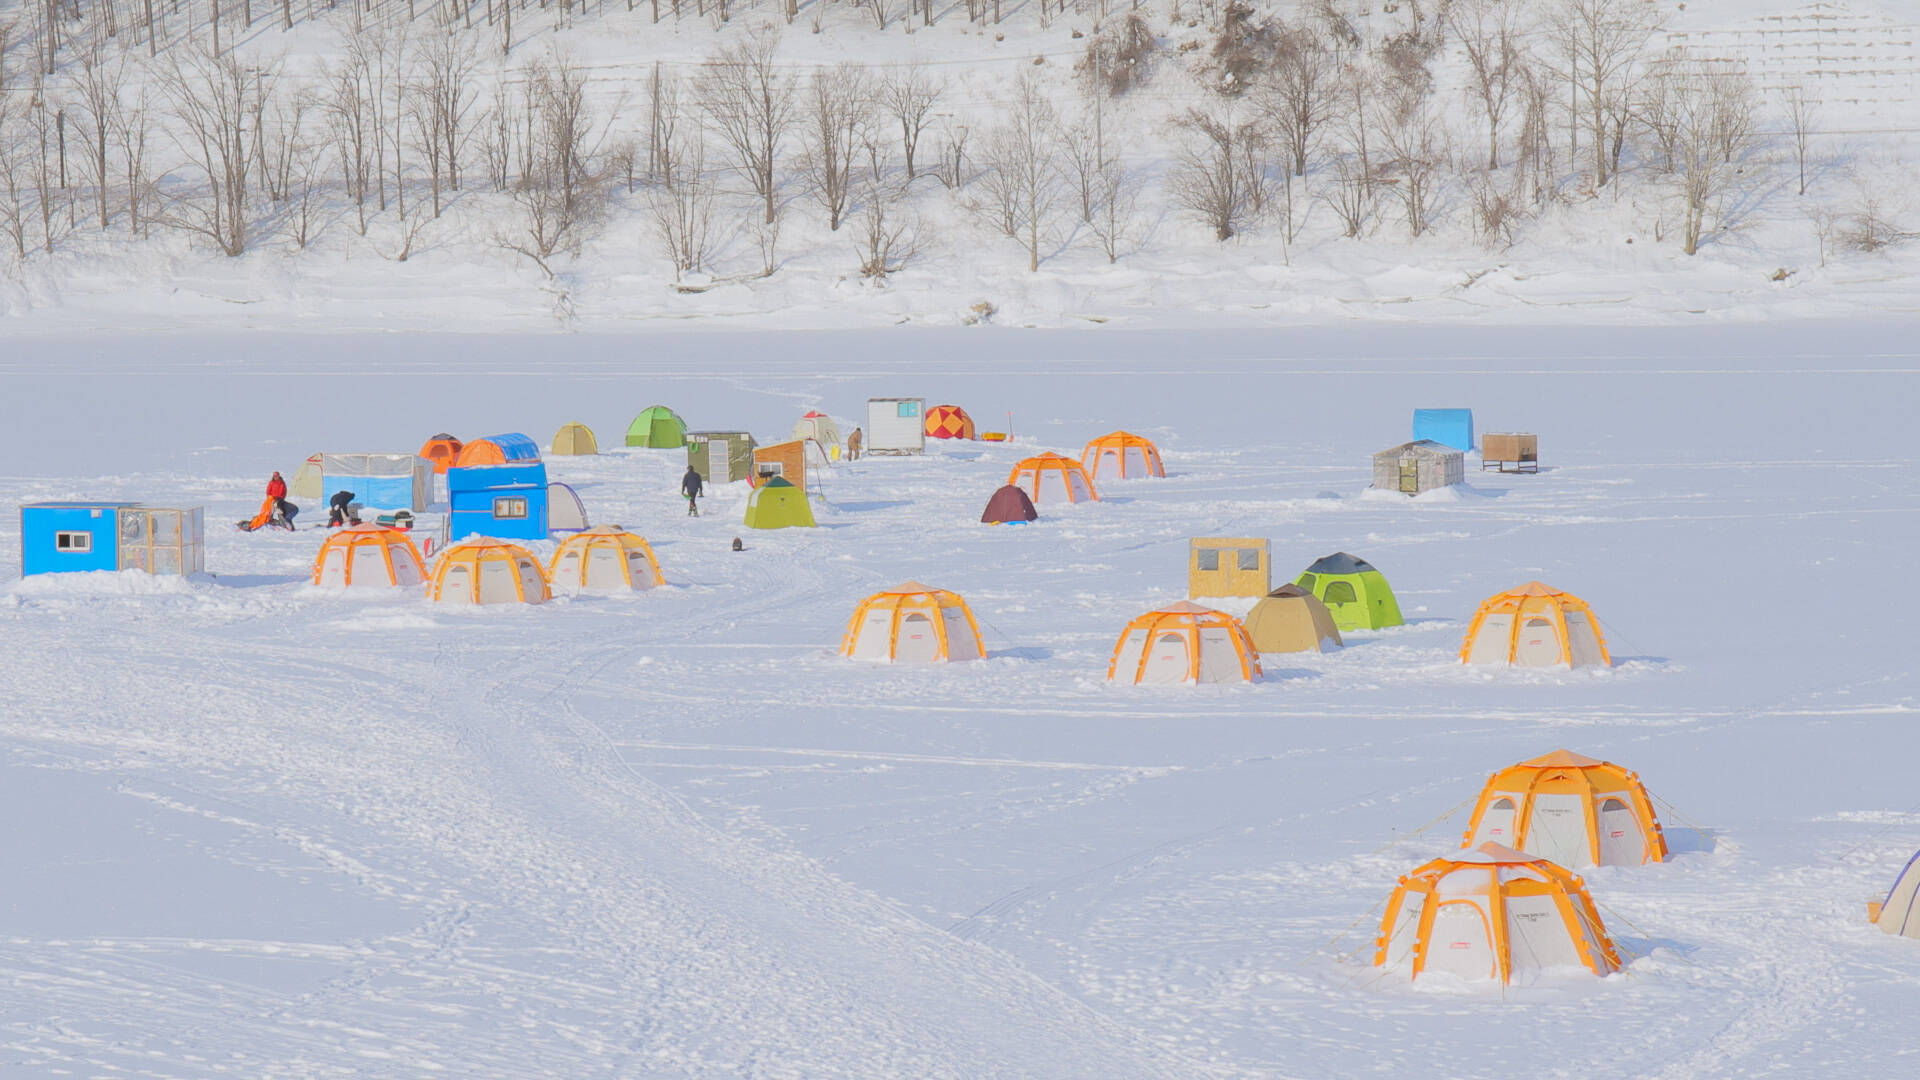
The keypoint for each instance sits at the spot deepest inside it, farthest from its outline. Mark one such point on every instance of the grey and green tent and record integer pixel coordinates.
(658, 428)
(1356, 594)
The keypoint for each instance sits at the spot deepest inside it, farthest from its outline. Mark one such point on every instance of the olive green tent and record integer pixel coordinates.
(658, 428)
(777, 504)
(1355, 593)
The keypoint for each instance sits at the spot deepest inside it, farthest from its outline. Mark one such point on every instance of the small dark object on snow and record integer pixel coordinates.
(737, 545)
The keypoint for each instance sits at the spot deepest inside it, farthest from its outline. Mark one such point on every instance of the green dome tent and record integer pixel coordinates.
(657, 427)
(1355, 593)
(777, 504)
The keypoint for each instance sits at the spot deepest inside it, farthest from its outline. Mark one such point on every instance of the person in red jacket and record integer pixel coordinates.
(276, 488)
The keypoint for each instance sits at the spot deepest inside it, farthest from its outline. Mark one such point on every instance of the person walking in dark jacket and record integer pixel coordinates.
(691, 486)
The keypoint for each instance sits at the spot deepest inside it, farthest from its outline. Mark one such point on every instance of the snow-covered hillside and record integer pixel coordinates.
(259, 829)
(1600, 253)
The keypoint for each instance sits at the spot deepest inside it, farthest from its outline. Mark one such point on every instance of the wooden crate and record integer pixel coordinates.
(1501, 449)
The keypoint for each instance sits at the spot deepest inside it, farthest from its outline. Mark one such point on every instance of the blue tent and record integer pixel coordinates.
(1448, 427)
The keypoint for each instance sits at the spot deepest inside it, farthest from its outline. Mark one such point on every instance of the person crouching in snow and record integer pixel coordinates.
(277, 495)
(691, 485)
(340, 510)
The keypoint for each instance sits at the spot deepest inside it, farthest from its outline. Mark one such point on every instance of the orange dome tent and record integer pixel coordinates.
(1052, 477)
(913, 623)
(1184, 643)
(442, 449)
(1121, 455)
(1535, 625)
(360, 556)
(606, 557)
(1492, 913)
(487, 571)
(1575, 810)
(949, 422)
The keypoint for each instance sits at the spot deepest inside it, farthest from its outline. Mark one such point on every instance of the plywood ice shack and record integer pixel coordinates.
(1228, 566)
(721, 457)
(1416, 467)
(896, 425)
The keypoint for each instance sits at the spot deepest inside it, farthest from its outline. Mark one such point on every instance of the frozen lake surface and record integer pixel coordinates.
(260, 829)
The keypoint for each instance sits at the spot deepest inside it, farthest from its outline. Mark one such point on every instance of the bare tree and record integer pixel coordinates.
(1414, 152)
(1298, 94)
(1217, 176)
(751, 103)
(98, 81)
(837, 104)
(1600, 43)
(1490, 32)
(132, 131)
(909, 95)
(1802, 118)
(15, 173)
(1119, 54)
(1085, 155)
(1350, 195)
(445, 86)
(682, 213)
(213, 102)
(1705, 95)
(885, 242)
(560, 194)
(1022, 170)
(1115, 221)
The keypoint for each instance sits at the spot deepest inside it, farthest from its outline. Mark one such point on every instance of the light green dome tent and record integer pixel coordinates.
(657, 427)
(777, 504)
(1355, 593)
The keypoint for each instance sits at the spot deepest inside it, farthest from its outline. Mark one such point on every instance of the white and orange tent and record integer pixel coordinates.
(1184, 643)
(487, 571)
(360, 556)
(1492, 913)
(1535, 625)
(606, 557)
(913, 623)
(1052, 478)
(1121, 455)
(1574, 810)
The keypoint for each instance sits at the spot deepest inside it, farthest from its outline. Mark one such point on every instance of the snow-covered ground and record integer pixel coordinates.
(262, 830)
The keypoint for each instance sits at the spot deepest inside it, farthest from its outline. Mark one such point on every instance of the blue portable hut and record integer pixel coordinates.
(58, 537)
(498, 487)
(1448, 427)
(383, 481)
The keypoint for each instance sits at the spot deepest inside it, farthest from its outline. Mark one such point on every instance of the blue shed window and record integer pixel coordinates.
(73, 541)
(510, 507)
(908, 408)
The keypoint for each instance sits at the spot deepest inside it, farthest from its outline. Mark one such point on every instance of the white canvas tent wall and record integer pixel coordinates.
(565, 512)
(895, 426)
(1899, 913)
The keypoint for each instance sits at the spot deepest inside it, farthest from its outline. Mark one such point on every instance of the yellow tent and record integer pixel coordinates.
(1576, 810)
(362, 555)
(913, 623)
(487, 571)
(1535, 625)
(607, 557)
(1492, 913)
(575, 439)
(1183, 643)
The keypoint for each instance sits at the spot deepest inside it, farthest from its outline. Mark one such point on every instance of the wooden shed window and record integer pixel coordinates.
(73, 541)
(1207, 559)
(1249, 558)
(510, 507)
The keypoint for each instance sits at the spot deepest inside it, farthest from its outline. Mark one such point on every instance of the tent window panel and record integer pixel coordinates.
(1496, 824)
(1207, 559)
(76, 542)
(1340, 592)
(1306, 581)
(1250, 558)
(1622, 843)
(510, 507)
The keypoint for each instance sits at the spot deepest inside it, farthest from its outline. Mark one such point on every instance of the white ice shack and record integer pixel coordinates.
(896, 425)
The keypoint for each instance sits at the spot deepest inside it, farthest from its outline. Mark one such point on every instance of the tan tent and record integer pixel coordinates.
(576, 440)
(1291, 619)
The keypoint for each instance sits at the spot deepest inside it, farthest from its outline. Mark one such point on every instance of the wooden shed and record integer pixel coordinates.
(1414, 467)
(1510, 451)
(1228, 566)
(787, 460)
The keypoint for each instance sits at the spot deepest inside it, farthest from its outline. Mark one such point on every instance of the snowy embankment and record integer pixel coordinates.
(263, 829)
(316, 257)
